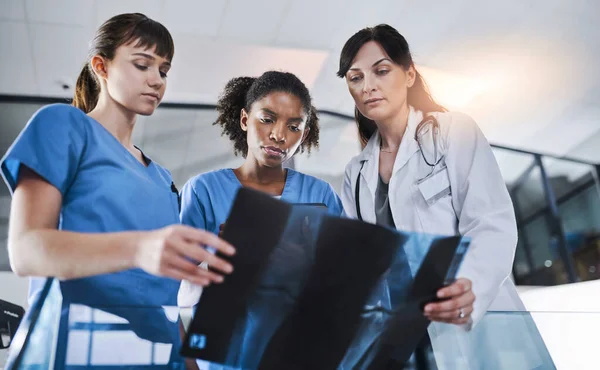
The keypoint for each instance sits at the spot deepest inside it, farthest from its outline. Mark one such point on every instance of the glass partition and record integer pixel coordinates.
(55, 335)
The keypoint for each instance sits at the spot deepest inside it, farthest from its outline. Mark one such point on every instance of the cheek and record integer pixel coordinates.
(123, 84)
(398, 91)
(355, 92)
(295, 141)
(396, 86)
(252, 135)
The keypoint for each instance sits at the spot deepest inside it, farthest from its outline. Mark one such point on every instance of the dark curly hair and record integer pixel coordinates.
(242, 92)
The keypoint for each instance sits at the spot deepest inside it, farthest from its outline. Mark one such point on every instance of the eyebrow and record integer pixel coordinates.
(374, 64)
(291, 120)
(150, 57)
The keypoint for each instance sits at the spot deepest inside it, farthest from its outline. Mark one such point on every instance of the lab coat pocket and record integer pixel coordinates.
(435, 187)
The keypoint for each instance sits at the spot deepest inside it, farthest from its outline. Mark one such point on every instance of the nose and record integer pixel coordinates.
(368, 84)
(155, 80)
(278, 132)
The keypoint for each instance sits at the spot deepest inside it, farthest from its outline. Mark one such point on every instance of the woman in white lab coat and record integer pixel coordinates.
(447, 182)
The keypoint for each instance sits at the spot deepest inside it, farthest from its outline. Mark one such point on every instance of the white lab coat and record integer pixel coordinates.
(479, 207)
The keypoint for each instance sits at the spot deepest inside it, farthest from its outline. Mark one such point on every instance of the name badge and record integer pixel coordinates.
(435, 187)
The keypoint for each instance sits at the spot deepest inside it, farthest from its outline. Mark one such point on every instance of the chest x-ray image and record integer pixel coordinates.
(313, 291)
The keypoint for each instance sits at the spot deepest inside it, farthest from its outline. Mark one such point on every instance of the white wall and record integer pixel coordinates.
(568, 318)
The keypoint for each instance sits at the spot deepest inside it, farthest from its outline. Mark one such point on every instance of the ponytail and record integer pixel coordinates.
(312, 139)
(86, 90)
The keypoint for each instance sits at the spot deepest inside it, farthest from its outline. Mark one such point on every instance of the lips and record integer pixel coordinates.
(273, 151)
(373, 100)
(152, 95)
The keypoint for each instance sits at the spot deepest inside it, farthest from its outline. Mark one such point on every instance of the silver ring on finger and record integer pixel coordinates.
(461, 313)
(204, 265)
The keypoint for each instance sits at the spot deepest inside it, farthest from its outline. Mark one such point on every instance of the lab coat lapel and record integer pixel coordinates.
(370, 175)
(408, 146)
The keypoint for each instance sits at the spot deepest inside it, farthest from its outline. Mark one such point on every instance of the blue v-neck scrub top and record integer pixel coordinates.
(104, 189)
(206, 199)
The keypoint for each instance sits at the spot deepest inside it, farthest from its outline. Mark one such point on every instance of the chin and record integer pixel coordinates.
(145, 111)
(378, 114)
(271, 162)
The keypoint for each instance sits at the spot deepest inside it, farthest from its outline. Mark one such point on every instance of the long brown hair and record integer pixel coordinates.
(119, 30)
(396, 46)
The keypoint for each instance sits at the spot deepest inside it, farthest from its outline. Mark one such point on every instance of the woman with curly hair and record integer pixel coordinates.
(268, 119)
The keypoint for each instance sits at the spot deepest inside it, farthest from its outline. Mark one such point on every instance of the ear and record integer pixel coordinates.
(244, 120)
(411, 76)
(98, 64)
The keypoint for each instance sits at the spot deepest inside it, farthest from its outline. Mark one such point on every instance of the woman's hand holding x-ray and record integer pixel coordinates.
(171, 250)
(457, 298)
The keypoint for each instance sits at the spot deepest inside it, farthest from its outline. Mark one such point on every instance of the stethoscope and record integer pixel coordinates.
(428, 123)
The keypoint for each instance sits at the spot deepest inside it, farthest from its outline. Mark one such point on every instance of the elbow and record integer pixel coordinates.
(20, 256)
(18, 261)
(29, 257)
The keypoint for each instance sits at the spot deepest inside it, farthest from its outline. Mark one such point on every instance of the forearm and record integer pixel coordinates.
(70, 255)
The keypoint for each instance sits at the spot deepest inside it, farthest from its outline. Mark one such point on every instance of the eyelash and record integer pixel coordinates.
(268, 121)
(145, 68)
(381, 72)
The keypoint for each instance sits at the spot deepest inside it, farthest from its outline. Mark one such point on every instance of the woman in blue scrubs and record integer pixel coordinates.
(268, 119)
(88, 206)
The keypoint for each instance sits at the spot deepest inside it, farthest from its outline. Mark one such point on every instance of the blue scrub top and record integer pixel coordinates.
(104, 189)
(206, 199)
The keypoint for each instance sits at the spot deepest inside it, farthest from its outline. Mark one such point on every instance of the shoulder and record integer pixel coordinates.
(453, 118)
(457, 125)
(319, 191)
(208, 180)
(59, 119)
(309, 180)
(314, 185)
(461, 137)
(59, 113)
(210, 176)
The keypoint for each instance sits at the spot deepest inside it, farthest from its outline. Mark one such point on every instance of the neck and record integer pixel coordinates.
(253, 171)
(391, 130)
(117, 119)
